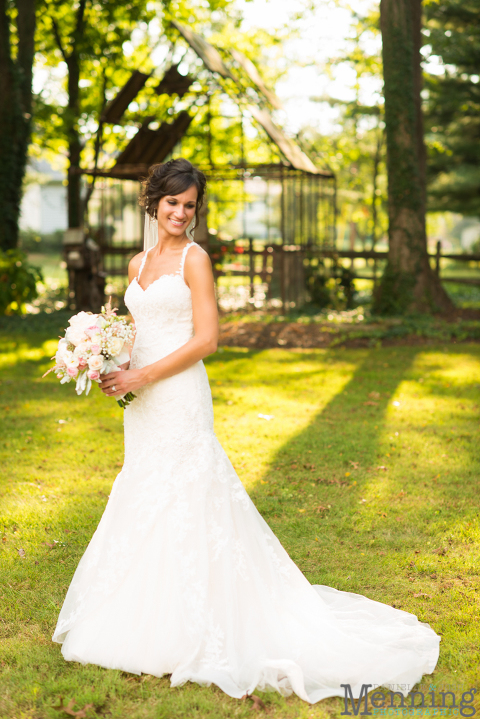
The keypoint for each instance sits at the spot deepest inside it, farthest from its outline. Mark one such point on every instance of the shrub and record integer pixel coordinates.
(18, 282)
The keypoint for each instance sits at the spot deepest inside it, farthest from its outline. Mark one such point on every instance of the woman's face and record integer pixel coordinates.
(175, 212)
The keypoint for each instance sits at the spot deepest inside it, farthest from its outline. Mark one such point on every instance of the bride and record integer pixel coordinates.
(183, 576)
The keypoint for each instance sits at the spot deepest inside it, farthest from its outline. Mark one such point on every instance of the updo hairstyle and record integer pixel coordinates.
(171, 178)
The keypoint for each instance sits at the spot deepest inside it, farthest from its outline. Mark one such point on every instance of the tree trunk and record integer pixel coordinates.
(72, 60)
(15, 115)
(75, 218)
(409, 283)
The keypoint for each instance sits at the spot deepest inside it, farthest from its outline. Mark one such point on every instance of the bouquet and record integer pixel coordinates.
(93, 345)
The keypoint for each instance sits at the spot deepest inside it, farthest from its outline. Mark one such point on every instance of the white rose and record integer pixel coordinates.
(81, 348)
(101, 322)
(116, 345)
(62, 353)
(78, 324)
(96, 362)
(72, 361)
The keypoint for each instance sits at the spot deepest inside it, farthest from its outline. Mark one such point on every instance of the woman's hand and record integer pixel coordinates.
(123, 381)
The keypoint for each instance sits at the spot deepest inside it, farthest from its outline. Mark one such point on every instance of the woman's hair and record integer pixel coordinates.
(171, 178)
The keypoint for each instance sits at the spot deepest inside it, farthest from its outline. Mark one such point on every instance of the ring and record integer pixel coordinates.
(113, 388)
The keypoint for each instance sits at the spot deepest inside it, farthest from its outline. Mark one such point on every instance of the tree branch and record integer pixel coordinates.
(80, 18)
(58, 40)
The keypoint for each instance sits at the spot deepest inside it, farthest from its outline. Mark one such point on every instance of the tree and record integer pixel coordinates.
(100, 45)
(408, 282)
(453, 104)
(89, 39)
(17, 31)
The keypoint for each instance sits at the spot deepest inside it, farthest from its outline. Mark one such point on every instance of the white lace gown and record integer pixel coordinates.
(184, 577)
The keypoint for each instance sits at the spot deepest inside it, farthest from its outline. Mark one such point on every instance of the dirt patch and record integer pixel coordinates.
(260, 335)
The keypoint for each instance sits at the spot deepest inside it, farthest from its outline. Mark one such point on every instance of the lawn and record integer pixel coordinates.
(367, 473)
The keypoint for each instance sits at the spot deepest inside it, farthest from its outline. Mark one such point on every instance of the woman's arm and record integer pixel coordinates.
(133, 267)
(199, 277)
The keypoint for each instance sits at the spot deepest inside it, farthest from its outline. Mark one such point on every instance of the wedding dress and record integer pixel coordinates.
(184, 577)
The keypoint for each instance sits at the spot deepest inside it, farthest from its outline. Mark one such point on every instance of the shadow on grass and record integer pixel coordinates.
(365, 547)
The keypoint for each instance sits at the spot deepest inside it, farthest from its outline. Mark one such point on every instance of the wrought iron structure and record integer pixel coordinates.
(273, 213)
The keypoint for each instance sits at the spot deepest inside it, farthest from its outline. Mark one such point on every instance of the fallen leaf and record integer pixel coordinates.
(21, 553)
(433, 576)
(417, 551)
(80, 714)
(440, 550)
(422, 594)
(355, 465)
(382, 467)
(374, 395)
(257, 702)
(371, 404)
(52, 546)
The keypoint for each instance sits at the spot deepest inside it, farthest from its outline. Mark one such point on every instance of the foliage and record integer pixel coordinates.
(452, 108)
(18, 282)
(118, 38)
(355, 151)
(332, 288)
(366, 496)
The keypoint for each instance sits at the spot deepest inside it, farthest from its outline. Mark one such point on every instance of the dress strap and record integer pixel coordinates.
(184, 254)
(143, 263)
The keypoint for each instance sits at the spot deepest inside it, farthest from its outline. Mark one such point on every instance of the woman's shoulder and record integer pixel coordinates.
(196, 255)
(136, 260)
(197, 264)
(134, 265)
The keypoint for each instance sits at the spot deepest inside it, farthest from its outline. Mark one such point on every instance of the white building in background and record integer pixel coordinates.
(44, 203)
(470, 234)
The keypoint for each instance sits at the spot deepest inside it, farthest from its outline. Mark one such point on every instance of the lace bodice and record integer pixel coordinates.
(162, 313)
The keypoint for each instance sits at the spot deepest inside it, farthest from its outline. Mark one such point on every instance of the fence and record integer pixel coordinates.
(281, 268)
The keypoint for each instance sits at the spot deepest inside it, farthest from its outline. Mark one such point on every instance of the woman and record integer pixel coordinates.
(183, 576)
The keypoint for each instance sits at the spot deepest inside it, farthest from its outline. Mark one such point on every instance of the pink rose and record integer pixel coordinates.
(82, 363)
(72, 371)
(95, 349)
(93, 374)
(96, 362)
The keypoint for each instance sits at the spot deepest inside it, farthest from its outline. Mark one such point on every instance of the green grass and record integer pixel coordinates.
(360, 491)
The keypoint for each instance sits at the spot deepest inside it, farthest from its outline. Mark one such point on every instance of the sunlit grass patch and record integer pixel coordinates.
(366, 469)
